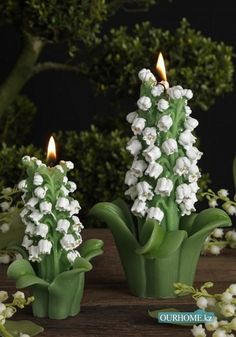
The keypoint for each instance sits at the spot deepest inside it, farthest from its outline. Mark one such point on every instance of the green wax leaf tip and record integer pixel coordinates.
(26, 327)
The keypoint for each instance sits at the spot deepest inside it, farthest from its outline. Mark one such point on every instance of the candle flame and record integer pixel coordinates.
(51, 154)
(160, 67)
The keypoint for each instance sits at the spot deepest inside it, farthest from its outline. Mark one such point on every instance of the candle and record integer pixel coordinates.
(52, 231)
(163, 177)
(52, 266)
(158, 239)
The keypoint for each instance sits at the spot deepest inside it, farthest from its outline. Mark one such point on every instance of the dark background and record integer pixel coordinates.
(66, 101)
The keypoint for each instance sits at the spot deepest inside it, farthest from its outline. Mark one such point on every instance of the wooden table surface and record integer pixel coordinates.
(108, 309)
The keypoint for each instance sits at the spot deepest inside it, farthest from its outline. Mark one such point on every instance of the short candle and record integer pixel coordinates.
(53, 228)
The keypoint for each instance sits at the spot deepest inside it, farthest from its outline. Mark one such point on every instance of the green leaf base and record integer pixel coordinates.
(153, 278)
(63, 303)
(61, 297)
(153, 258)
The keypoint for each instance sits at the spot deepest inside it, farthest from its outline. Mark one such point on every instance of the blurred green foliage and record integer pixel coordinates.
(16, 124)
(101, 162)
(10, 163)
(192, 60)
(67, 21)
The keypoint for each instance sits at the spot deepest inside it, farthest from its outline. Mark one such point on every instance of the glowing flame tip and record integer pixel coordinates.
(51, 153)
(160, 67)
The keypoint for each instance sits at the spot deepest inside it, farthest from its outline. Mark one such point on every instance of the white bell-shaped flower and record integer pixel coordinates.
(154, 170)
(138, 167)
(26, 242)
(45, 207)
(190, 123)
(155, 213)
(175, 92)
(144, 103)
(41, 230)
(44, 246)
(152, 153)
(139, 208)
(186, 138)
(188, 110)
(169, 146)
(62, 204)
(72, 255)
(34, 254)
(157, 90)
(63, 225)
(193, 173)
(134, 146)
(188, 93)
(162, 105)
(193, 153)
(40, 192)
(131, 117)
(149, 135)
(146, 75)
(165, 123)
(182, 166)
(132, 192)
(38, 179)
(130, 178)
(138, 125)
(144, 191)
(164, 186)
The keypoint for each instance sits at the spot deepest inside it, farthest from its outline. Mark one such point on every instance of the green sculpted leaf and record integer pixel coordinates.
(151, 237)
(80, 265)
(112, 215)
(19, 268)
(172, 241)
(209, 219)
(67, 288)
(26, 327)
(203, 225)
(187, 221)
(91, 248)
(30, 280)
(125, 214)
(24, 274)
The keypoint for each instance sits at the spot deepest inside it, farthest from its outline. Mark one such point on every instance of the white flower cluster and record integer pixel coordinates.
(223, 196)
(226, 303)
(162, 139)
(49, 213)
(7, 310)
(218, 240)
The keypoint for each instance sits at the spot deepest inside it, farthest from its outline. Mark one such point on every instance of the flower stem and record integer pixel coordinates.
(4, 331)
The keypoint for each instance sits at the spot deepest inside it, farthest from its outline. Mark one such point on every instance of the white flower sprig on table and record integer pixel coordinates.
(223, 305)
(11, 229)
(52, 227)
(222, 197)
(218, 240)
(7, 310)
(164, 172)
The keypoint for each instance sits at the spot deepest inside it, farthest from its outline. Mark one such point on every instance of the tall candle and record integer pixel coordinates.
(163, 177)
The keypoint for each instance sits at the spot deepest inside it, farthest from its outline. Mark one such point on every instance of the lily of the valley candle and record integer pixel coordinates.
(50, 215)
(163, 177)
(158, 238)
